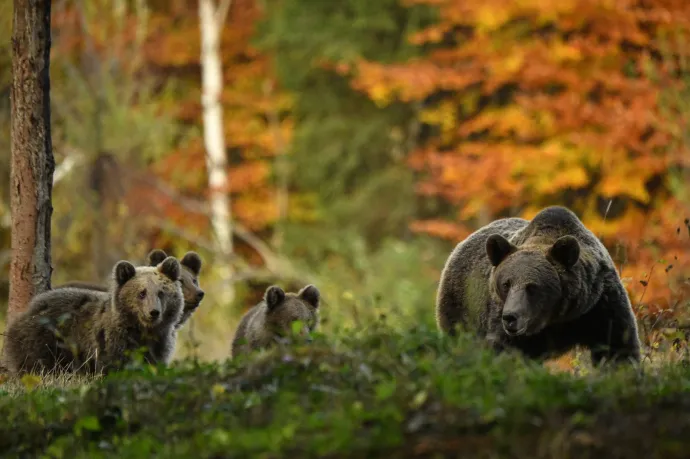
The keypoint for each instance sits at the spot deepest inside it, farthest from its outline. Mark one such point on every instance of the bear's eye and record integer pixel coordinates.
(506, 285)
(142, 294)
(160, 295)
(195, 282)
(531, 289)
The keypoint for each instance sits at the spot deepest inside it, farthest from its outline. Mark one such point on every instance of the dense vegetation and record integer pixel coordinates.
(374, 393)
(390, 129)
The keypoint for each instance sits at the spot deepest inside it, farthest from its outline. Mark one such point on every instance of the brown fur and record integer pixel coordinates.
(542, 287)
(87, 331)
(189, 278)
(271, 320)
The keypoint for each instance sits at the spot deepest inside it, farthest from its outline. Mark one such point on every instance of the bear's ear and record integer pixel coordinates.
(566, 251)
(311, 295)
(156, 257)
(274, 296)
(171, 268)
(123, 271)
(498, 248)
(192, 260)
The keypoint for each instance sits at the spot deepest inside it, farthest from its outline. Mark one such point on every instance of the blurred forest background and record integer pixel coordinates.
(363, 140)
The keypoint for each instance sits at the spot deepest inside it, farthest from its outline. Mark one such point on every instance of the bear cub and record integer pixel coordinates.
(271, 320)
(189, 278)
(541, 287)
(87, 331)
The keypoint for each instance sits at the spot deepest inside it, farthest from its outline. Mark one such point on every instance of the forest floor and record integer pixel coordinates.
(381, 394)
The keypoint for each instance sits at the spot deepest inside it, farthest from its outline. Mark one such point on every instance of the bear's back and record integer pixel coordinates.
(248, 323)
(55, 330)
(554, 222)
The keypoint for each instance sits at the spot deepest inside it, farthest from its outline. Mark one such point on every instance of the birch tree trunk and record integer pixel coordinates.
(32, 154)
(210, 23)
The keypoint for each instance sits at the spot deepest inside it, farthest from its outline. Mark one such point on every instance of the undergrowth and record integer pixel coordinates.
(378, 392)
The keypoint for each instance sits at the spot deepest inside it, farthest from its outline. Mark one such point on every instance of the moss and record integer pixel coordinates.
(379, 392)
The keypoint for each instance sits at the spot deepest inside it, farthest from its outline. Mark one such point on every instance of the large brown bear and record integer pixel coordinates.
(189, 278)
(87, 331)
(271, 320)
(540, 286)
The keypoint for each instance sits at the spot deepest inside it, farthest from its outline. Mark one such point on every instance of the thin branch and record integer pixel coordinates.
(199, 241)
(201, 207)
(274, 263)
(282, 271)
(271, 259)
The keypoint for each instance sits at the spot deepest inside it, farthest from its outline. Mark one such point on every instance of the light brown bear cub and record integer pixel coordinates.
(87, 331)
(271, 320)
(189, 278)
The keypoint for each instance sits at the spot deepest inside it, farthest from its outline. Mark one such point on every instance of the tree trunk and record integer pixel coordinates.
(210, 23)
(214, 139)
(32, 154)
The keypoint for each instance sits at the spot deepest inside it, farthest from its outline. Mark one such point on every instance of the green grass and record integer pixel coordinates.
(381, 393)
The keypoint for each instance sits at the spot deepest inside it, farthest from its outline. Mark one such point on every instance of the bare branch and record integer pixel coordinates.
(201, 207)
(275, 265)
(199, 241)
(275, 268)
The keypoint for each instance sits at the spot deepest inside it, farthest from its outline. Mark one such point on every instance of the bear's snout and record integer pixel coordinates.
(510, 323)
(155, 311)
(516, 313)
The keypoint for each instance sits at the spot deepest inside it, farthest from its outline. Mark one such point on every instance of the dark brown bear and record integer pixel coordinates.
(87, 331)
(189, 278)
(540, 286)
(271, 320)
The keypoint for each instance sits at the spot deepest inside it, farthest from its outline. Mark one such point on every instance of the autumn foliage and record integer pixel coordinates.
(255, 130)
(521, 104)
(534, 103)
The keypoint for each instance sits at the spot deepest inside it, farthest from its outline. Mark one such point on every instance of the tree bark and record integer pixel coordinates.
(211, 20)
(214, 138)
(33, 164)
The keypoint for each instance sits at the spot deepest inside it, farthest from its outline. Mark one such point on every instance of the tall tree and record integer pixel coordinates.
(211, 19)
(32, 155)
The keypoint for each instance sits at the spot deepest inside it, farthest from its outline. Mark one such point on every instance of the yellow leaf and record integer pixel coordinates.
(616, 185)
(563, 52)
(489, 18)
(380, 94)
(30, 381)
(570, 177)
(514, 62)
(217, 390)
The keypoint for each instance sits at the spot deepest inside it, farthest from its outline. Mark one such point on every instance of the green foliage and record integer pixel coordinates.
(371, 392)
(397, 280)
(115, 112)
(346, 151)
